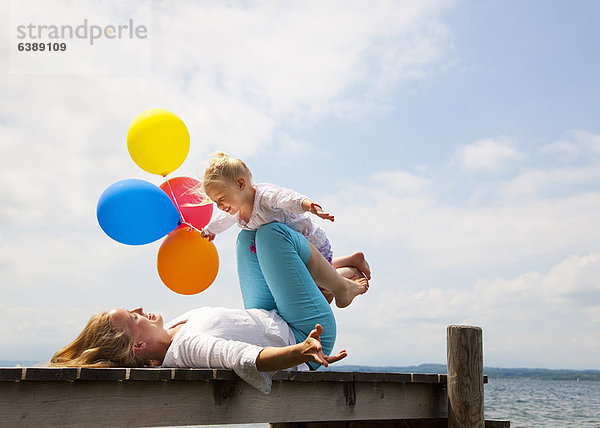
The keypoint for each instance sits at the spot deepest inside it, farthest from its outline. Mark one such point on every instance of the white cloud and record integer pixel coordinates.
(440, 235)
(564, 149)
(577, 145)
(399, 182)
(300, 59)
(522, 318)
(487, 155)
(538, 181)
(538, 213)
(588, 140)
(287, 150)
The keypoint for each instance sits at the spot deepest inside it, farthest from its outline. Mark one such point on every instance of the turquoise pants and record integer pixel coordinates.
(271, 264)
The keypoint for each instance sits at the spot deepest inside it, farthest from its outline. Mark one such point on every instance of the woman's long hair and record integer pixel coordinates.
(98, 345)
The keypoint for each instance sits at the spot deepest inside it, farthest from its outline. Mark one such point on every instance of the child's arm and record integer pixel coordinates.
(290, 200)
(314, 208)
(219, 222)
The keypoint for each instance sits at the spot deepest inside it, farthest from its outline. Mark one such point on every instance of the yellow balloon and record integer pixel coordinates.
(158, 141)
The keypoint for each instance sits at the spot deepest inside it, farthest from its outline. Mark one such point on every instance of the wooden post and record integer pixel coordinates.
(465, 377)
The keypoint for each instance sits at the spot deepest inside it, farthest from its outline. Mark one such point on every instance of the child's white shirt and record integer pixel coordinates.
(229, 338)
(272, 203)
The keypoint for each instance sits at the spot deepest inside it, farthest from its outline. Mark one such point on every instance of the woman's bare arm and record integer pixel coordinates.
(279, 358)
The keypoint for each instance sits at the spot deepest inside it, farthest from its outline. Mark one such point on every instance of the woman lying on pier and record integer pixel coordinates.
(287, 322)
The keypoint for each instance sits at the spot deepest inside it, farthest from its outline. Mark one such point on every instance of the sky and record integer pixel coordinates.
(457, 143)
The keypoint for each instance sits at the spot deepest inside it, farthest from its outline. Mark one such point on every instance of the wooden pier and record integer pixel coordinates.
(160, 397)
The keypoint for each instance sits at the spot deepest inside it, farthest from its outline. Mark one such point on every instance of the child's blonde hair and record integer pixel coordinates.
(99, 345)
(225, 169)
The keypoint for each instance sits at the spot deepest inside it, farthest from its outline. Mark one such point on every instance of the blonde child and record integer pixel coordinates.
(228, 183)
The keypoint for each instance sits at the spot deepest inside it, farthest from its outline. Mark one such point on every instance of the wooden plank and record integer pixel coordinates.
(93, 374)
(149, 374)
(426, 378)
(395, 423)
(368, 377)
(497, 424)
(12, 374)
(160, 403)
(390, 423)
(282, 375)
(222, 374)
(398, 377)
(193, 374)
(322, 376)
(50, 374)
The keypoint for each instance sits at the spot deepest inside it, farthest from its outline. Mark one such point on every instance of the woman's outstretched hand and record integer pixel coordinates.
(274, 358)
(312, 349)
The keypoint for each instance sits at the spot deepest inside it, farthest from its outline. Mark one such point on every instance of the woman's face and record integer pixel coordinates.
(144, 328)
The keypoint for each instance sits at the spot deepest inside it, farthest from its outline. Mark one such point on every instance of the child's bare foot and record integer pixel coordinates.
(352, 288)
(349, 272)
(357, 260)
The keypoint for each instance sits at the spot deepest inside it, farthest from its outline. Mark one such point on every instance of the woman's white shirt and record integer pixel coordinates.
(229, 338)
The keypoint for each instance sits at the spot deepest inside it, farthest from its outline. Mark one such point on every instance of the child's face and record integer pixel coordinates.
(228, 197)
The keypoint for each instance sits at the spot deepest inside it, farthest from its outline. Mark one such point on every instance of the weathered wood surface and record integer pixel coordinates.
(390, 423)
(11, 374)
(465, 377)
(158, 397)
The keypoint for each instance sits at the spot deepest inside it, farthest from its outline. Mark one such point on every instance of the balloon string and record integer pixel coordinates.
(190, 225)
(183, 221)
(176, 203)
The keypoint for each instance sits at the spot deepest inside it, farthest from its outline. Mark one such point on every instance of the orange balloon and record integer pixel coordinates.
(187, 263)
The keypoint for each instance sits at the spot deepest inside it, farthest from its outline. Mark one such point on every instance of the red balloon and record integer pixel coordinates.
(194, 206)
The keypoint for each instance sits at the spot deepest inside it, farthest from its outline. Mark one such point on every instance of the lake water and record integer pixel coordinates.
(543, 403)
(536, 403)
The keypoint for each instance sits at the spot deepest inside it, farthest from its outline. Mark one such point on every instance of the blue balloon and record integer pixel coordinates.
(136, 212)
